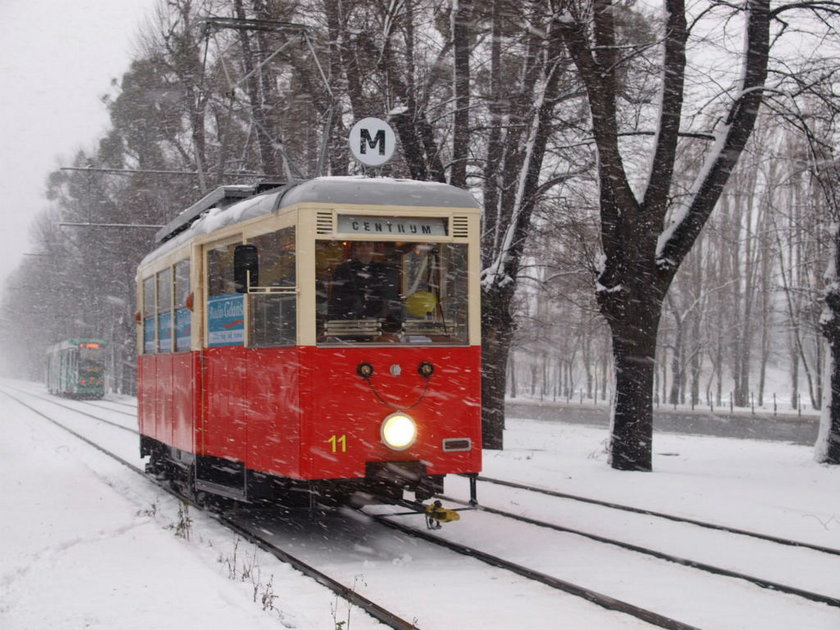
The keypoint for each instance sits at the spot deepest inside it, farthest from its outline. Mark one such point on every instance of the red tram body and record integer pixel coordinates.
(251, 386)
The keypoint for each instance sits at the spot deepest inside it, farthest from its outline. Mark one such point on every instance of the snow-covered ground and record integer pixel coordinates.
(87, 544)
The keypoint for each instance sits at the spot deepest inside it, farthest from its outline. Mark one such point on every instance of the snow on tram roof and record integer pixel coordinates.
(338, 190)
(379, 191)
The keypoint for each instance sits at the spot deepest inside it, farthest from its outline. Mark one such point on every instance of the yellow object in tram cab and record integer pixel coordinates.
(420, 304)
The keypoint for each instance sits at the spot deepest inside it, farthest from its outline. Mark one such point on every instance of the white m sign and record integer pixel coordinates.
(372, 141)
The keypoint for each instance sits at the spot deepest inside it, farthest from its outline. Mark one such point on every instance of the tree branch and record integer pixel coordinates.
(676, 241)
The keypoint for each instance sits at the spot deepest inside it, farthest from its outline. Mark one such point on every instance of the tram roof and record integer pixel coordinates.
(76, 342)
(218, 209)
(378, 191)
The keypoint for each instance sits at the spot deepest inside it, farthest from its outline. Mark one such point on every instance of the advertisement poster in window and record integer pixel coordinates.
(226, 320)
(149, 346)
(165, 331)
(183, 329)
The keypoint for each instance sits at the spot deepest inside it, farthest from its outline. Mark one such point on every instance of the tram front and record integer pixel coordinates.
(393, 394)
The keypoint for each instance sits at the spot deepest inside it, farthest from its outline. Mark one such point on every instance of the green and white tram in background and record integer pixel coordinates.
(76, 368)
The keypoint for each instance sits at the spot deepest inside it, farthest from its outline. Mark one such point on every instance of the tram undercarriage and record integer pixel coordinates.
(384, 482)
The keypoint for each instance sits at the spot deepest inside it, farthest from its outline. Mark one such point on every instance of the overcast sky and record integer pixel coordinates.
(57, 58)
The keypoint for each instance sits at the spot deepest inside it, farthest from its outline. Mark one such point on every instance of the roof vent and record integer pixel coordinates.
(324, 223)
(460, 226)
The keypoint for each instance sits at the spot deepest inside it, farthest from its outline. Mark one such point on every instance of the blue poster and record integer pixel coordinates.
(226, 320)
(149, 335)
(165, 331)
(183, 329)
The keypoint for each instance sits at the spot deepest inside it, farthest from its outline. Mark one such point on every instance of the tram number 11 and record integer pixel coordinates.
(338, 443)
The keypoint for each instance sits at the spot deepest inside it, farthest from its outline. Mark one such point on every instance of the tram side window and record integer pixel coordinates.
(149, 320)
(225, 307)
(183, 315)
(72, 364)
(274, 312)
(164, 310)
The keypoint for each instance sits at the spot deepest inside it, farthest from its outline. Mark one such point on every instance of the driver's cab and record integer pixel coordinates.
(391, 292)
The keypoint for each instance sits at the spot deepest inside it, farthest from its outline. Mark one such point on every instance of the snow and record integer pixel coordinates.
(89, 544)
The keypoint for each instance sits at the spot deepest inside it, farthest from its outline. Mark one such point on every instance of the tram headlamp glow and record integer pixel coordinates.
(399, 431)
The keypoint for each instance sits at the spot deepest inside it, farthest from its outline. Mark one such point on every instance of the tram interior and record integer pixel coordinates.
(391, 292)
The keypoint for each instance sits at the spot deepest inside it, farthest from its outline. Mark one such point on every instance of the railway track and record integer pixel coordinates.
(116, 406)
(347, 592)
(266, 540)
(694, 564)
(257, 535)
(662, 515)
(767, 544)
(605, 601)
(78, 406)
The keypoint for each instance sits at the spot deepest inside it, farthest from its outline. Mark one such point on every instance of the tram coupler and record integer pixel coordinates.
(436, 515)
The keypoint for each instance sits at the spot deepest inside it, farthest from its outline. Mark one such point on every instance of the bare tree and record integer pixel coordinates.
(641, 254)
(824, 166)
(828, 443)
(521, 124)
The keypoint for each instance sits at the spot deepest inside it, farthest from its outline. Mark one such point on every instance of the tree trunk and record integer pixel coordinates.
(827, 173)
(496, 339)
(264, 140)
(634, 348)
(507, 227)
(511, 368)
(461, 16)
(828, 443)
(677, 377)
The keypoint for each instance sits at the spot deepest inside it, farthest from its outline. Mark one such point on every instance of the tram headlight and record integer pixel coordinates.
(399, 431)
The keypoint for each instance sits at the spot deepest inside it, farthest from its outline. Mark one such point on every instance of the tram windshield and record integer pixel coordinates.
(91, 364)
(391, 292)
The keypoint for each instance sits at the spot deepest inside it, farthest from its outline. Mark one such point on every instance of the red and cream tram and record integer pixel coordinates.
(318, 340)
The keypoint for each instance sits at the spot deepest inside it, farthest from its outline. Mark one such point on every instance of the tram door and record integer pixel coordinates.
(224, 432)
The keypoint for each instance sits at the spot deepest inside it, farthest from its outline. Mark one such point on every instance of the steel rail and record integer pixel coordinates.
(694, 564)
(670, 517)
(52, 400)
(604, 601)
(97, 404)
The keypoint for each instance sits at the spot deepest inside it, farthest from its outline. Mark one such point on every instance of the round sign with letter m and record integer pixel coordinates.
(372, 141)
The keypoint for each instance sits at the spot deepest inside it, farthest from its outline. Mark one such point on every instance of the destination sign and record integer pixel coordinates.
(391, 226)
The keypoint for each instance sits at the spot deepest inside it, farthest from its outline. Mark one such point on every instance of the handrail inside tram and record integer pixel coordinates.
(274, 290)
(341, 330)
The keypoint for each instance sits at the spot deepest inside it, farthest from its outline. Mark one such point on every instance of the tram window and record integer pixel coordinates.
(164, 310)
(183, 315)
(91, 365)
(435, 292)
(149, 316)
(225, 307)
(274, 308)
(220, 270)
(387, 292)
